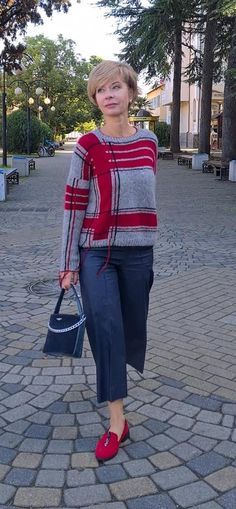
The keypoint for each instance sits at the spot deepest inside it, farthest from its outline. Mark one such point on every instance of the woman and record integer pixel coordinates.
(108, 235)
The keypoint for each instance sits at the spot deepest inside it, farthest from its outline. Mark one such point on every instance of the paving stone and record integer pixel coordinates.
(83, 460)
(139, 433)
(56, 461)
(65, 432)
(179, 407)
(27, 460)
(131, 488)
(171, 381)
(228, 420)
(172, 392)
(18, 427)
(62, 420)
(91, 430)
(80, 407)
(19, 413)
(6, 492)
(226, 448)
(211, 430)
(228, 500)
(182, 422)
(139, 450)
(203, 443)
(80, 477)
(110, 473)
(161, 442)
(185, 451)
(38, 431)
(20, 477)
(85, 444)
(17, 399)
(163, 460)
(174, 477)
(209, 416)
(229, 408)
(155, 426)
(155, 412)
(12, 388)
(143, 394)
(10, 440)
(137, 468)
(179, 435)
(3, 471)
(194, 493)
(45, 400)
(224, 479)
(50, 478)
(208, 505)
(33, 445)
(38, 497)
(85, 495)
(204, 402)
(208, 463)
(161, 501)
(41, 417)
(6, 455)
(60, 446)
(108, 505)
(88, 417)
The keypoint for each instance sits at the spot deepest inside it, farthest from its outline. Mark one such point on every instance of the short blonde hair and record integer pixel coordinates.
(105, 71)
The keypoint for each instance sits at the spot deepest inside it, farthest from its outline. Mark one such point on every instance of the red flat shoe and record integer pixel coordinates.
(108, 446)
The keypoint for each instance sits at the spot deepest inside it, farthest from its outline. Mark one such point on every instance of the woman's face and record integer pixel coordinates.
(113, 97)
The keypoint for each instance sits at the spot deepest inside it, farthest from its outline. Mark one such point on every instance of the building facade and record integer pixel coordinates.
(160, 99)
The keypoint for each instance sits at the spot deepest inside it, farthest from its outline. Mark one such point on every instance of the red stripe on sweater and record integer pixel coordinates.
(135, 219)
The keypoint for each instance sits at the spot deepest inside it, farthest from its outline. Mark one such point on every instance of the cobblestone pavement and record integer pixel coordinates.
(182, 451)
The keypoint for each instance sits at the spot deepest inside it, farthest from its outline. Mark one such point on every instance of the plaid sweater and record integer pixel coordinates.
(110, 194)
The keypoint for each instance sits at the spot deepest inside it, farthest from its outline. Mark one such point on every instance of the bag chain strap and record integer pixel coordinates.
(67, 329)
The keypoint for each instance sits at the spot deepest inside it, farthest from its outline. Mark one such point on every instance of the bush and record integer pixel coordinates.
(17, 132)
(162, 131)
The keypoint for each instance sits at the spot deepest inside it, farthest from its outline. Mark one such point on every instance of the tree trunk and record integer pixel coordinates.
(207, 80)
(175, 115)
(229, 113)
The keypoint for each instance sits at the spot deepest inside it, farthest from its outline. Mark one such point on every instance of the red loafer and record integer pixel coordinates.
(108, 446)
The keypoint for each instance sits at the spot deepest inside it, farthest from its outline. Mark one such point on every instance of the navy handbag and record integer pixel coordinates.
(65, 334)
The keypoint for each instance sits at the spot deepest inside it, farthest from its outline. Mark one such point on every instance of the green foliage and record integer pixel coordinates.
(162, 131)
(62, 74)
(17, 132)
(15, 15)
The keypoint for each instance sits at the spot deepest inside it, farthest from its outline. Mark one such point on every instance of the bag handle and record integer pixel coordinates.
(77, 298)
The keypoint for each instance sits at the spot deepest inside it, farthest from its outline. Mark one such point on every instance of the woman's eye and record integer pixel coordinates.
(100, 90)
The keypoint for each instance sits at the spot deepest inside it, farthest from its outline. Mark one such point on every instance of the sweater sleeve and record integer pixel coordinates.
(76, 201)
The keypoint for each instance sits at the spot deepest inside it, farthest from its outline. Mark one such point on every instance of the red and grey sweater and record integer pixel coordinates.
(110, 194)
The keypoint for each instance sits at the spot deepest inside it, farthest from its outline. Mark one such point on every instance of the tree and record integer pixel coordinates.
(229, 115)
(207, 77)
(152, 38)
(62, 74)
(15, 15)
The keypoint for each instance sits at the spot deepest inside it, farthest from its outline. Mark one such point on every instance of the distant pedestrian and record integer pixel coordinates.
(109, 231)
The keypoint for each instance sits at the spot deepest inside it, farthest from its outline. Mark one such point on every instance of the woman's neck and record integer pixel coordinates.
(118, 128)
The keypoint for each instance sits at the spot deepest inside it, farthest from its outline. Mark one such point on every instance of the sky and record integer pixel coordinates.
(86, 24)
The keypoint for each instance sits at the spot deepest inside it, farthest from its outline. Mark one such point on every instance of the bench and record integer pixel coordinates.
(166, 154)
(219, 168)
(7, 177)
(185, 161)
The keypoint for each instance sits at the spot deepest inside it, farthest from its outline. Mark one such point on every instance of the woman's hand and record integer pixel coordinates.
(68, 278)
